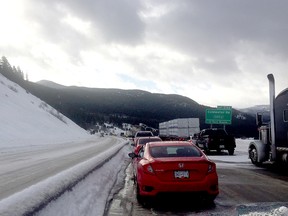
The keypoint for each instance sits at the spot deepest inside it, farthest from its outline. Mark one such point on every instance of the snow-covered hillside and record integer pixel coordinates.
(26, 120)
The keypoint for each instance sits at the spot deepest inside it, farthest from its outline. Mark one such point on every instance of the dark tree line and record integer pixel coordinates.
(12, 73)
(88, 106)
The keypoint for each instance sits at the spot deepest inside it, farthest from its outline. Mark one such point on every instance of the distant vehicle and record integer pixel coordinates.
(142, 134)
(272, 145)
(179, 129)
(215, 139)
(173, 166)
(143, 140)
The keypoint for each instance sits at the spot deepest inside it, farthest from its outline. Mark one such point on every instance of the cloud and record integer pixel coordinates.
(116, 21)
(215, 52)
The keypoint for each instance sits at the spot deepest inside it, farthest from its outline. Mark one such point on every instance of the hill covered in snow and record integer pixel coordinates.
(27, 120)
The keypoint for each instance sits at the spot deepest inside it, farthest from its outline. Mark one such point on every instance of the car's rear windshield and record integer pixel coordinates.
(144, 141)
(215, 132)
(174, 151)
(144, 134)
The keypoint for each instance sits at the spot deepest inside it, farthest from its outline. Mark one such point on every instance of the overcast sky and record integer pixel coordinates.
(215, 52)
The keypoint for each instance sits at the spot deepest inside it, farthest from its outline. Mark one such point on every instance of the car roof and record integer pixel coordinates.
(144, 140)
(170, 143)
(141, 133)
(149, 137)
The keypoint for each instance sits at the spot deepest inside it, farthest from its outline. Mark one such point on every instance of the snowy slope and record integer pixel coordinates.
(26, 120)
(29, 123)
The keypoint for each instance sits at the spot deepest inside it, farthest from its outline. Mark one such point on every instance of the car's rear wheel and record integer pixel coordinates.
(231, 151)
(143, 200)
(210, 198)
(134, 179)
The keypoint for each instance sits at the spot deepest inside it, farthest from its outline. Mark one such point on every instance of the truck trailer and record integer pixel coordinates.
(272, 145)
(181, 128)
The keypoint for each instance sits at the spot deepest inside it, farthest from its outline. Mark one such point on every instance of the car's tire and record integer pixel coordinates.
(142, 200)
(134, 179)
(138, 195)
(210, 198)
(231, 151)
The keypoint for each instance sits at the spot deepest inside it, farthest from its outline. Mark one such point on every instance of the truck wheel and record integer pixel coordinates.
(231, 151)
(253, 155)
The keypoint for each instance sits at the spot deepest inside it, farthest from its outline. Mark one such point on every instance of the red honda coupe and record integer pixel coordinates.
(173, 166)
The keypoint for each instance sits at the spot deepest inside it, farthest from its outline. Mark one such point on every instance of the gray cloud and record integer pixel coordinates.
(169, 44)
(118, 21)
(216, 29)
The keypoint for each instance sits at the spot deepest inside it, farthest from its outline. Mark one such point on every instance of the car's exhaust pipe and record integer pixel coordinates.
(272, 115)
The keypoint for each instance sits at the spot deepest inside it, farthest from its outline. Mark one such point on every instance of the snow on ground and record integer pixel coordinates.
(87, 197)
(28, 121)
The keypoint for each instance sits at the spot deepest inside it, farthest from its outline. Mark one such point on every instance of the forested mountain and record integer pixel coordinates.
(87, 106)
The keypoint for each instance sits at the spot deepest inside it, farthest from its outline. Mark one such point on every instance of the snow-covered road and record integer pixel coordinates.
(99, 171)
(25, 166)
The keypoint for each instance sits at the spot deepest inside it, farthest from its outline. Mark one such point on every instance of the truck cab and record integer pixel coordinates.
(272, 145)
(281, 119)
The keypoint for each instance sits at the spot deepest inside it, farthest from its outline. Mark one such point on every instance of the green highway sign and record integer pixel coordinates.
(224, 107)
(218, 116)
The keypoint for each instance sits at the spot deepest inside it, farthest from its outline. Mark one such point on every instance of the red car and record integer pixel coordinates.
(141, 141)
(142, 134)
(173, 166)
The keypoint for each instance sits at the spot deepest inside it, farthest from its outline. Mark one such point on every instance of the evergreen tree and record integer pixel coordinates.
(6, 68)
(12, 73)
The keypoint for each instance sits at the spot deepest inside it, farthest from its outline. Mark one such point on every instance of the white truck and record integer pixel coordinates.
(272, 145)
(181, 128)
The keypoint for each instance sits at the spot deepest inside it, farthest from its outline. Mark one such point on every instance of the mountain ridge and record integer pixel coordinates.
(86, 106)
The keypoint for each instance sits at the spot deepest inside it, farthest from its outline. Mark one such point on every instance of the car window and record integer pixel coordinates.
(143, 134)
(174, 151)
(144, 141)
(141, 152)
(215, 132)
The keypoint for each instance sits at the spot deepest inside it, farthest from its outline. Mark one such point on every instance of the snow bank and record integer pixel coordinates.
(38, 196)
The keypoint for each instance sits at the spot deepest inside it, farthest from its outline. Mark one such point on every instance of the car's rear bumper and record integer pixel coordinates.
(151, 186)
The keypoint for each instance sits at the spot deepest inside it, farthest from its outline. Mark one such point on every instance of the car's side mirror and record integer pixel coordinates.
(132, 155)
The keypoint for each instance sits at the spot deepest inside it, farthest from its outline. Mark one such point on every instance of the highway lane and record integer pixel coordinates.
(25, 166)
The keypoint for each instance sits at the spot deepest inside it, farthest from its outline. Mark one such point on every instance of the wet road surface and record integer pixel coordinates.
(242, 188)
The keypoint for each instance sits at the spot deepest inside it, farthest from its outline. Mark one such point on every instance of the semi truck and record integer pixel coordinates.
(272, 145)
(177, 129)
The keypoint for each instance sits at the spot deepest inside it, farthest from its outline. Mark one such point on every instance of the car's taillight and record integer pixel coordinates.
(211, 168)
(148, 169)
